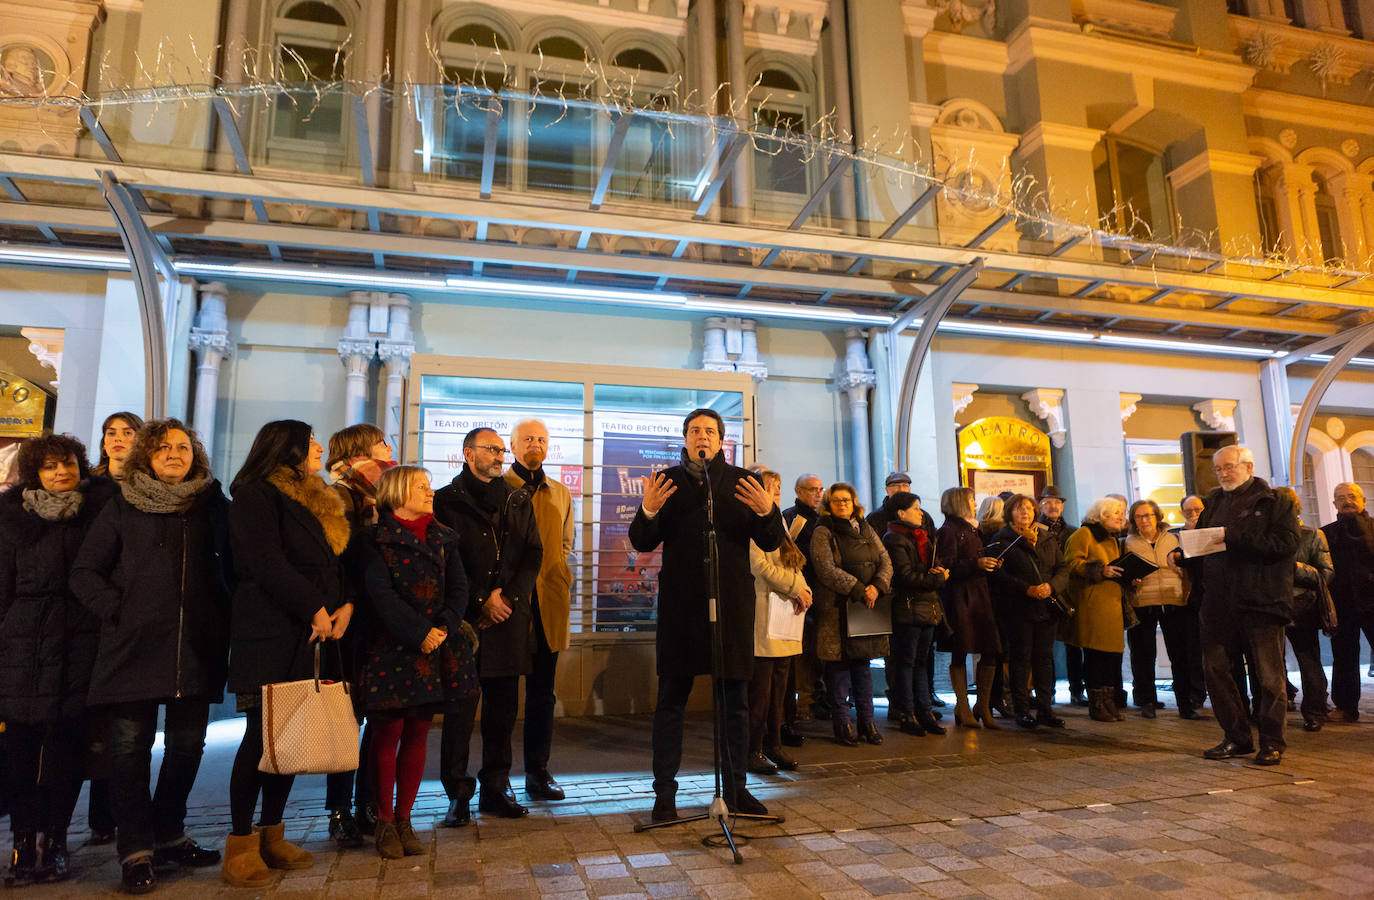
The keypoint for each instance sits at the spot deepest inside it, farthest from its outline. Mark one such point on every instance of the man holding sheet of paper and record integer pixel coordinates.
(1241, 554)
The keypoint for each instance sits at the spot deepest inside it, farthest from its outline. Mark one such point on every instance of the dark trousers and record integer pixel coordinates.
(1172, 620)
(1101, 669)
(810, 683)
(1308, 652)
(1226, 635)
(99, 813)
(851, 679)
(1032, 659)
(247, 782)
(732, 706)
(539, 701)
(500, 697)
(910, 662)
(1190, 685)
(43, 774)
(147, 820)
(766, 691)
(1345, 656)
(1073, 666)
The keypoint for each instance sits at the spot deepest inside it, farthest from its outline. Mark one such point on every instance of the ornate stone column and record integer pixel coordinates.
(395, 352)
(963, 396)
(356, 350)
(1128, 402)
(856, 380)
(46, 346)
(209, 340)
(1048, 404)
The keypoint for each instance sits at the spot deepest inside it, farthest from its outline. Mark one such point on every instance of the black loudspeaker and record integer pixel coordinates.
(1198, 449)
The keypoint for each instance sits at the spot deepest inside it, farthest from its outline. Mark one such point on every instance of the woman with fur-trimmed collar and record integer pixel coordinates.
(155, 570)
(289, 532)
(47, 648)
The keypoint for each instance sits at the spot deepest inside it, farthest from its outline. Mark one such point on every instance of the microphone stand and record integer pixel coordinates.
(718, 809)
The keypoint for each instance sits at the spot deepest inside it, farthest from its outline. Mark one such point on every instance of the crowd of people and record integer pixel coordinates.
(136, 589)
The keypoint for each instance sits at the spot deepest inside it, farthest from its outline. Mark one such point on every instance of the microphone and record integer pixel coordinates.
(701, 455)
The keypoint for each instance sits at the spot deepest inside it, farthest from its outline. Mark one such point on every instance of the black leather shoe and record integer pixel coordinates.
(935, 713)
(458, 814)
(1048, 720)
(365, 817)
(1025, 720)
(56, 862)
(344, 830)
(1269, 756)
(23, 861)
(187, 854)
(1226, 750)
(665, 808)
(781, 760)
(1312, 724)
(137, 877)
(909, 725)
(1187, 712)
(1076, 698)
(541, 786)
(845, 735)
(929, 724)
(936, 701)
(791, 737)
(759, 765)
(1147, 711)
(746, 803)
(872, 734)
(500, 805)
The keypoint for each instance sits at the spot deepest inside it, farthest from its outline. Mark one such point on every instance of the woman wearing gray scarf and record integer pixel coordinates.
(155, 571)
(47, 649)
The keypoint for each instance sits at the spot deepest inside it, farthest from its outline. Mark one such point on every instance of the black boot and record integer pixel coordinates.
(909, 725)
(845, 735)
(56, 864)
(343, 828)
(365, 817)
(928, 724)
(24, 861)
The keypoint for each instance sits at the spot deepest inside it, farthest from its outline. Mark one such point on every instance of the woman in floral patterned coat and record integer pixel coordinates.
(418, 593)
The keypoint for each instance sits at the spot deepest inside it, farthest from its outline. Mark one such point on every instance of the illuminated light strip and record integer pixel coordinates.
(92, 259)
(310, 275)
(1041, 334)
(1190, 346)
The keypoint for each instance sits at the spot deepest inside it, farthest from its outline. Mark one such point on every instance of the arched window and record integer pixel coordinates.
(475, 34)
(1133, 195)
(1267, 205)
(641, 59)
(1328, 221)
(1309, 487)
(1362, 469)
(560, 47)
(309, 46)
(781, 165)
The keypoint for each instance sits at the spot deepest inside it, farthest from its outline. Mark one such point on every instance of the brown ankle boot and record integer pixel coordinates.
(243, 866)
(279, 853)
(389, 844)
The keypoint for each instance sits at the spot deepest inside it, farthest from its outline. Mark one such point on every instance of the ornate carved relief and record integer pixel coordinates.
(971, 153)
(43, 51)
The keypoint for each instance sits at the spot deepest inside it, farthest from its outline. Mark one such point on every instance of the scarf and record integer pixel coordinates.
(359, 476)
(534, 478)
(322, 501)
(53, 506)
(1029, 535)
(918, 535)
(694, 466)
(147, 494)
(487, 495)
(417, 527)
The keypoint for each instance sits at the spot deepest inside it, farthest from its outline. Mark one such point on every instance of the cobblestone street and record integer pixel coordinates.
(1131, 808)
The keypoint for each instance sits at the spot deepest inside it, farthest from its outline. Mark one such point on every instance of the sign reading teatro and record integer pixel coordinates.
(999, 453)
(22, 407)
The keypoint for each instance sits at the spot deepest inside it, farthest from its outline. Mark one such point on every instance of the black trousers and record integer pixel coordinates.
(146, 820)
(1101, 669)
(1226, 635)
(246, 782)
(540, 700)
(733, 709)
(1307, 649)
(766, 691)
(1073, 665)
(500, 698)
(1193, 687)
(1032, 659)
(1345, 656)
(1173, 621)
(43, 774)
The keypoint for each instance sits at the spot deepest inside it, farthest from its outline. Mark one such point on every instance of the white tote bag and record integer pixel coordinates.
(308, 727)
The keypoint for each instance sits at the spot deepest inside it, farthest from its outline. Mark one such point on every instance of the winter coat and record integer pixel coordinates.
(411, 586)
(966, 595)
(683, 637)
(289, 536)
(883, 516)
(1164, 586)
(1313, 564)
(1060, 528)
(553, 518)
(1351, 541)
(771, 576)
(500, 550)
(1099, 622)
(48, 639)
(847, 560)
(915, 592)
(160, 584)
(1024, 566)
(1254, 574)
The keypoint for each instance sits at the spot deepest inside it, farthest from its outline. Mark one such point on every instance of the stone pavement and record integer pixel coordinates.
(1128, 808)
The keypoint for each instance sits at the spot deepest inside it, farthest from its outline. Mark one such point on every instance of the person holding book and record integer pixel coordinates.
(1160, 604)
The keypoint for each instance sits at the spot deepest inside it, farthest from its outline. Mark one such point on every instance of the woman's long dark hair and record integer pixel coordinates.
(285, 442)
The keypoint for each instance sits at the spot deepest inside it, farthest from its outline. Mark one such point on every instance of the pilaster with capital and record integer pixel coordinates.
(856, 379)
(1048, 404)
(209, 340)
(1218, 415)
(1128, 406)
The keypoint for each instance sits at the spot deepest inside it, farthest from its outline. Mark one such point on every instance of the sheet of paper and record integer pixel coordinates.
(784, 624)
(795, 529)
(1202, 541)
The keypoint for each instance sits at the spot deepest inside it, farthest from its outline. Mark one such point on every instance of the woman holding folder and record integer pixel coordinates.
(1159, 603)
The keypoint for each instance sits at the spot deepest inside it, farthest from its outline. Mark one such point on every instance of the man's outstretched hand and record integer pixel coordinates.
(749, 492)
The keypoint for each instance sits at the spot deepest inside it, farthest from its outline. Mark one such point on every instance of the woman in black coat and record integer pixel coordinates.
(47, 649)
(916, 610)
(417, 592)
(852, 569)
(155, 570)
(289, 531)
(968, 605)
(1022, 587)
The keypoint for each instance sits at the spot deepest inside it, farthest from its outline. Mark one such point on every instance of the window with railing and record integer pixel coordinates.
(608, 428)
(1133, 194)
(782, 168)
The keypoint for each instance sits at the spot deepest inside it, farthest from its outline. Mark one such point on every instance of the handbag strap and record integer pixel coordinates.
(338, 655)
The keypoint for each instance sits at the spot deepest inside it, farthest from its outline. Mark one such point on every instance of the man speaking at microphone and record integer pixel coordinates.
(674, 513)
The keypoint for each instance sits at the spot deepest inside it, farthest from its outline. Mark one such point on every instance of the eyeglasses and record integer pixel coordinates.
(811, 490)
(841, 501)
(1228, 467)
(490, 448)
